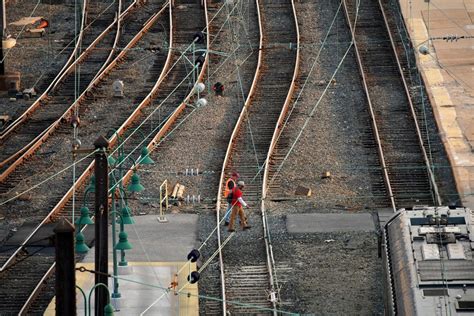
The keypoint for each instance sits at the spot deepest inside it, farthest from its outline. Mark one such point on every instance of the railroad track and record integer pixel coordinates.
(165, 81)
(41, 226)
(99, 39)
(247, 273)
(407, 171)
(9, 178)
(421, 103)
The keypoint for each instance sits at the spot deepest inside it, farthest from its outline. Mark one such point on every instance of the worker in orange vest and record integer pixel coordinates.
(229, 186)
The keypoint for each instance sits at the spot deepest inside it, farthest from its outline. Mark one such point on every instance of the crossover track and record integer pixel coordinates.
(36, 267)
(248, 278)
(9, 178)
(409, 179)
(61, 97)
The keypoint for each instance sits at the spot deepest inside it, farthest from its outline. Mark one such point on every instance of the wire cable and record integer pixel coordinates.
(311, 114)
(46, 180)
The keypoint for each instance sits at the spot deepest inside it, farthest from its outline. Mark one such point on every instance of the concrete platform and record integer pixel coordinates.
(448, 72)
(328, 223)
(159, 253)
(153, 241)
(136, 297)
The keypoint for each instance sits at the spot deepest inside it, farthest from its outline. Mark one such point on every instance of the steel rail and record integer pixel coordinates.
(24, 309)
(117, 37)
(84, 176)
(37, 103)
(276, 134)
(31, 148)
(412, 109)
(371, 110)
(228, 154)
(59, 76)
(151, 146)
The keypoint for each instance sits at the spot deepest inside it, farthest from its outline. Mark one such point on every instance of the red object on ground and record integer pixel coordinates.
(43, 24)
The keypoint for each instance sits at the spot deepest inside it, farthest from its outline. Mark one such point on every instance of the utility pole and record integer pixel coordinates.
(65, 268)
(101, 224)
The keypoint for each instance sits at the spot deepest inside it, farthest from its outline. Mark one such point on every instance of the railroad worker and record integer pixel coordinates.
(218, 89)
(237, 203)
(229, 186)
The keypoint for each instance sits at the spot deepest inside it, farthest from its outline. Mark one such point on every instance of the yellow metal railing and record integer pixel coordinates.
(163, 198)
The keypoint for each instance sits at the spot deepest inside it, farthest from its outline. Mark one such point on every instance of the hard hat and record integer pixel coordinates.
(241, 183)
(235, 174)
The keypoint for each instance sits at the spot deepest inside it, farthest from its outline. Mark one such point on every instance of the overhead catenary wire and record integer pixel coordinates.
(188, 294)
(138, 146)
(210, 235)
(122, 196)
(184, 265)
(159, 106)
(188, 282)
(22, 30)
(46, 180)
(122, 144)
(311, 114)
(313, 65)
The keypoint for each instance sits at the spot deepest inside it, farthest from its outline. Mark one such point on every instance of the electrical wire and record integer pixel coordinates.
(22, 30)
(46, 180)
(311, 114)
(189, 294)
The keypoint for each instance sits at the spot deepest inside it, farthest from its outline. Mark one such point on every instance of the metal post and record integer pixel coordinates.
(65, 268)
(115, 293)
(123, 262)
(3, 26)
(101, 223)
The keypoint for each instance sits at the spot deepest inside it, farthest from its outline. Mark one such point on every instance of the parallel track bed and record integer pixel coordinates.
(33, 275)
(421, 102)
(67, 91)
(246, 273)
(406, 168)
(174, 77)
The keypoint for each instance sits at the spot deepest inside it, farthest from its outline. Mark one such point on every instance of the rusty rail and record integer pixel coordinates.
(150, 146)
(31, 148)
(274, 141)
(228, 154)
(37, 103)
(371, 110)
(117, 37)
(66, 69)
(412, 109)
(85, 175)
(60, 77)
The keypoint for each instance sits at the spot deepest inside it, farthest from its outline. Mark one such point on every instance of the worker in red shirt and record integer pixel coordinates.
(237, 203)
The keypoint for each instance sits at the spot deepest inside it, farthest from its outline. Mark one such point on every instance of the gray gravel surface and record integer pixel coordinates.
(96, 119)
(37, 59)
(201, 141)
(341, 277)
(336, 273)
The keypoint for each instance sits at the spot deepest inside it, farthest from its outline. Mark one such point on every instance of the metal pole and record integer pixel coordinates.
(65, 268)
(123, 262)
(115, 293)
(101, 223)
(2, 27)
